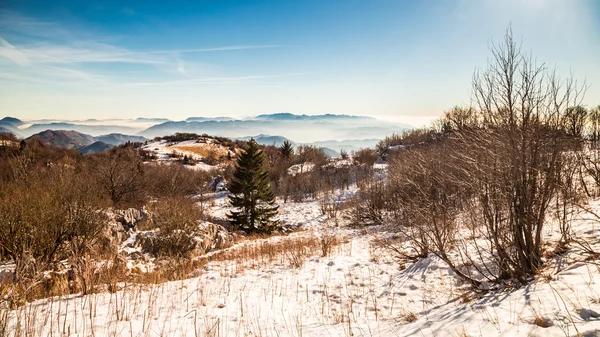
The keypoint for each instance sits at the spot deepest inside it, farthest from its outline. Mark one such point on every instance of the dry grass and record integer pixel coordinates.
(204, 150)
(542, 322)
(547, 276)
(466, 298)
(251, 253)
(286, 251)
(409, 317)
(459, 333)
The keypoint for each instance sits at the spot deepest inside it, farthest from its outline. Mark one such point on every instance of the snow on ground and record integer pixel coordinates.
(304, 214)
(6, 270)
(191, 148)
(569, 304)
(356, 291)
(348, 293)
(300, 168)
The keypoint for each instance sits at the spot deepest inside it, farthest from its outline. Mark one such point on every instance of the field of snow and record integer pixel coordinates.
(191, 148)
(358, 290)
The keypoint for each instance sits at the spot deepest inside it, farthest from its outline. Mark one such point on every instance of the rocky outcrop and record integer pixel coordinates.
(218, 184)
(129, 218)
(114, 233)
(207, 237)
(210, 237)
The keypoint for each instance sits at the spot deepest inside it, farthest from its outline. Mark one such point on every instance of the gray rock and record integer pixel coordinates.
(129, 218)
(588, 314)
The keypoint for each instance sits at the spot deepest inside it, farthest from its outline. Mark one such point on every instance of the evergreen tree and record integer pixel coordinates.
(287, 151)
(250, 193)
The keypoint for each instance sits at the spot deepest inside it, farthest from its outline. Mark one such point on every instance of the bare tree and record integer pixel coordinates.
(523, 107)
(120, 173)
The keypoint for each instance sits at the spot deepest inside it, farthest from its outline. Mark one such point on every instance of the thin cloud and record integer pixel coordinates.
(216, 80)
(34, 52)
(180, 67)
(15, 22)
(207, 50)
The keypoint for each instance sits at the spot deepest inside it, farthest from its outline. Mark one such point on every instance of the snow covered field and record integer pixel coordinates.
(358, 290)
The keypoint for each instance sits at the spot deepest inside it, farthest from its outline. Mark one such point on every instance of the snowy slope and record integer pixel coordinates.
(356, 291)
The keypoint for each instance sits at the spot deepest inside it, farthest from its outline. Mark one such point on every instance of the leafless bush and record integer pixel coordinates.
(174, 180)
(482, 186)
(53, 214)
(177, 219)
(309, 153)
(366, 157)
(370, 204)
(120, 174)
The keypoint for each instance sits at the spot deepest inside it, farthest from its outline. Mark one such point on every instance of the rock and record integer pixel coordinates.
(588, 314)
(211, 236)
(114, 233)
(218, 184)
(147, 241)
(129, 218)
(207, 237)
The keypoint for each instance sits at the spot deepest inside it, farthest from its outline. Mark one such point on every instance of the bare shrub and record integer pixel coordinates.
(120, 174)
(366, 157)
(174, 180)
(310, 154)
(370, 204)
(53, 214)
(177, 220)
(499, 166)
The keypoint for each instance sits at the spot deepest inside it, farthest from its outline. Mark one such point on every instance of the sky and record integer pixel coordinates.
(405, 61)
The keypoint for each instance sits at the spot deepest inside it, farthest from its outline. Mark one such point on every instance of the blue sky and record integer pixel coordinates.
(398, 60)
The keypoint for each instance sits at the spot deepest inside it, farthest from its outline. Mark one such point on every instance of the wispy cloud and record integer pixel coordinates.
(217, 80)
(92, 52)
(15, 22)
(31, 50)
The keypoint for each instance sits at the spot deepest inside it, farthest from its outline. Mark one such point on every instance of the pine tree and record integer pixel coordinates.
(250, 193)
(287, 151)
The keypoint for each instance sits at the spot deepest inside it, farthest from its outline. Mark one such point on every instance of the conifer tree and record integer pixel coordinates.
(287, 151)
(250, 193)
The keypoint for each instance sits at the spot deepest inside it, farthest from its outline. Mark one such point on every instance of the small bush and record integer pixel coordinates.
(177, 220)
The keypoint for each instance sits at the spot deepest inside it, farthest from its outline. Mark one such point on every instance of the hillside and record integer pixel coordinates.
(10, 124)
(63, 138)
(91, 129)
(322, 127)
(11, 120)
(269, 140)
(83, 142)
(7, 130)
(275, 287)
(118, 139)
(96, 147)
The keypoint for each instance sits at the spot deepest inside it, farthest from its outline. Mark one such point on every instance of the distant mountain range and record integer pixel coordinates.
(118, 139)
(96, 147)
(82, 142)
(326, 129)
(12, 121)
(269, 140)
(10, 124)
(286, 116)
(301, 128)
(333, 146)
(62, 138)
(83, 128)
